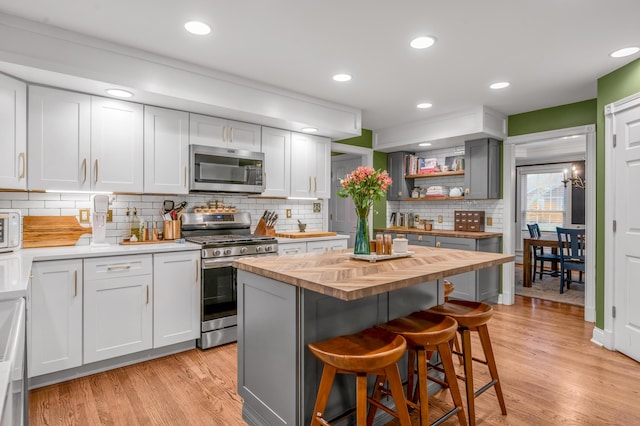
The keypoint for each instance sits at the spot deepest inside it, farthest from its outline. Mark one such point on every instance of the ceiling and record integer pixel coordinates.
(552, 51)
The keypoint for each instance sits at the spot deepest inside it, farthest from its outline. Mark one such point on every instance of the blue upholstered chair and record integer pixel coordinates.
(571, 248)
(540, 255)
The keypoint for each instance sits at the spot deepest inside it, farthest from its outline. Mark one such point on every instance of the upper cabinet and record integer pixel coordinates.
(166, 151)
(400, 187)
(79, 142)
(116, 145)
(13, 133)
(482, 169)
(221, 133)
(276, 146)
(310, 166)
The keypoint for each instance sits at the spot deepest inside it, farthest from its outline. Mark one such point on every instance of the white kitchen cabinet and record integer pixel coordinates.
(317, 246)
(59, 139)
(326, 245)
(176, 300)
(13, 133)
(166, 151)
(276, 146)
(118, 306)
(285, 249)
(116, 145)
(310, 166)
(221, 133)
(54, 322)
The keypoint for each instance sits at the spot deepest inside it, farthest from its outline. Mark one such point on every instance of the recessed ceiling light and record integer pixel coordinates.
(197, 28)
(424, 144)
(424, 105)
(627, 51)
(422, 42)
(342, 77)
(500, 85)
(119, 93)
(309, 129)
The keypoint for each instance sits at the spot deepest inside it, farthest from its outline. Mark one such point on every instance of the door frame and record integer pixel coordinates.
(509, 199)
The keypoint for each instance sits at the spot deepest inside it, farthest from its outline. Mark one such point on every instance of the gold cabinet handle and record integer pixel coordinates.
(75, 283)
(84, 170)
(466, 190)
(438, 244)
(147, 295)
(309, 184)
(231, 138)
(24, 166)
(185, 176)
(117, 267)
(315, 184)
(224, 133)
(197, 269)
(96, 170)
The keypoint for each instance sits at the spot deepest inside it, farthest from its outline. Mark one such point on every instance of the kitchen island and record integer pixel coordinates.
(284, 303)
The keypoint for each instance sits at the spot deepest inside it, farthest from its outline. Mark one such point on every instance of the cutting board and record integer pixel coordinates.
(306, 234)
(51, 231)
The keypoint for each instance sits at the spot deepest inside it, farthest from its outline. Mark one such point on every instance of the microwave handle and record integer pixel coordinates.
(224, 133)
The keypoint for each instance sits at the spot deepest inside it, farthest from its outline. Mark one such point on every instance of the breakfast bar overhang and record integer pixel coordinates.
(286, 302)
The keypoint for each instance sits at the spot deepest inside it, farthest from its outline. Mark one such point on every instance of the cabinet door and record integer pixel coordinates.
(482, 169)
(54, 319)
(59, 139)
(207, 130)
(322, 177)
(176, 300)
(116, 145)
(310, 166)
(118, 300)
(400, 188)
(276, 146)
(243, 136)
(166, 151)
(465, 283)
(326, 245)
(13, 133)
(291, 248)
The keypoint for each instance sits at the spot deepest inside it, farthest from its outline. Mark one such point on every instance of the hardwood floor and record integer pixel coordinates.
(550, 371)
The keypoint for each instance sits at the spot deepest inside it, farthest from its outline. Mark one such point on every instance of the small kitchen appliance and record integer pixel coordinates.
(224, 237)
(9, 230)
(100, 210)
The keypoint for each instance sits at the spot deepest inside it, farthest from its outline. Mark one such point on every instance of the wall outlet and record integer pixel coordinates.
(316, 207)
(489, 221)
(288, 211)
(109, 215)
(85, 215)
(440, 218)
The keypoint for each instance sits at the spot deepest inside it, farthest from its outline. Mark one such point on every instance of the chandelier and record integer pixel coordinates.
(574, 178)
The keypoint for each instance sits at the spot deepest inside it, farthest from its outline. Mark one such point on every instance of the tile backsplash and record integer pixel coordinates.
(149, 206)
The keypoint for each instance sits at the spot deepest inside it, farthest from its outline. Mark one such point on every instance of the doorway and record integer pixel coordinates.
(510, 232)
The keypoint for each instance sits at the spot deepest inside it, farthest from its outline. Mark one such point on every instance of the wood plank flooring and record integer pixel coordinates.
(551, 373)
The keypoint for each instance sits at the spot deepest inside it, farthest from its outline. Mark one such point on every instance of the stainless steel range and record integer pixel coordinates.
(224, 237)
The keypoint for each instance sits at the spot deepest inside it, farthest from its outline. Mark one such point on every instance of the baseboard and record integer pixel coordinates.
(602, 338)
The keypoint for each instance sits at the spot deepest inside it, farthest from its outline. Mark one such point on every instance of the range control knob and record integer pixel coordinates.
(258, 249)
(243, 250)
(267, 248)
(227, 252)
(216, 253)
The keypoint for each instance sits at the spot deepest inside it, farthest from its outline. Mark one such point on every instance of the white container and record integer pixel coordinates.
(400, 245)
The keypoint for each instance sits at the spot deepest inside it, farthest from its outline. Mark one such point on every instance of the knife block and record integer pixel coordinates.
(263, 229)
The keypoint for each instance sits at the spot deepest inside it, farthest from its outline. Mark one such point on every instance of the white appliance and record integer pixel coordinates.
(99, 219)
(9, 230)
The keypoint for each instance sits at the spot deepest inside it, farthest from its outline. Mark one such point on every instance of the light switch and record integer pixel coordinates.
(440, 218)
(489, 221)
(109, 215)
(84, 215)
(288, 213)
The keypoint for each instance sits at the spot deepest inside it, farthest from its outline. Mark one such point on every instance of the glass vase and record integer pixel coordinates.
(362, 234)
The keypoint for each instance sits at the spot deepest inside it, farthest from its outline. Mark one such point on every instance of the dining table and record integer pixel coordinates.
(527, 255)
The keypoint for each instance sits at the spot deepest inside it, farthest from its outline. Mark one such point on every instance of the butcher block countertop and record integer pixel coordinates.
(441, 233)
(335, 274)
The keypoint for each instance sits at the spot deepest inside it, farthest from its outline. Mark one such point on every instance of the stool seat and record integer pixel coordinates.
(370, 350)
(467, 313)
(423, 328)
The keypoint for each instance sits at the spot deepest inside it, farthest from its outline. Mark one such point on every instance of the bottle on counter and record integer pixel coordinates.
(135, 224)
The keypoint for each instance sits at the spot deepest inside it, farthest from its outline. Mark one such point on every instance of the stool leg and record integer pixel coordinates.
(450, 376)
(456, 345)
(395, 383)
(422, 387)
(326, 382)
(377, 395)
(411, 372)
(361, 398)
(468, 374)
(483, 331)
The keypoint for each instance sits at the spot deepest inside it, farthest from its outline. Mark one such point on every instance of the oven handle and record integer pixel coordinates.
(213, 264)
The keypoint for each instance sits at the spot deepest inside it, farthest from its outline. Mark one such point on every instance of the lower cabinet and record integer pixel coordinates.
(318, 246)
(176, 297)
(54, 320)
(118, 306)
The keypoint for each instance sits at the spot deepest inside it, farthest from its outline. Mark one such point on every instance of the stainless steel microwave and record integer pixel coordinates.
(226, 170)
(9, 230)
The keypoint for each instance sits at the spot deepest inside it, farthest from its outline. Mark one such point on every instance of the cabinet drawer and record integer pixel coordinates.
(292, 248)
(117, 266)
(422, 240)
(457, 243)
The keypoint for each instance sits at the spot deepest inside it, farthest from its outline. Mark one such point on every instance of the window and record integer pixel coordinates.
(544, 200)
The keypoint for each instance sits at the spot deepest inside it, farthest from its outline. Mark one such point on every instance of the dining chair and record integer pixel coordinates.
(571, 248)
(540, 255)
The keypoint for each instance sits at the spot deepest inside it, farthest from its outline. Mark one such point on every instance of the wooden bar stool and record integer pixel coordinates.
(371, 351)
(425, 333)
(473, 316)
(448, 289)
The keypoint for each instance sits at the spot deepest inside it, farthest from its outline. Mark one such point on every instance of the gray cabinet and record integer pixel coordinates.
(482, 169)
(401, 187)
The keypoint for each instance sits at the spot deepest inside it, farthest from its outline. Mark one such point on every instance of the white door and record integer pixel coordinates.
(59, 139)
(166, 151)
(343, 218)
(176, 298)
(626, 268)
(54, 322)
(116, 145)
(207, 130)
(13, 133)
(244, 136)
(276, 146)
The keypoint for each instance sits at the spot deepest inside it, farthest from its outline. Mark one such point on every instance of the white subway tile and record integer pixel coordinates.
(24, 204)
(44, 196)
(75, 196)
(44, 212)
(59, 204)
(14, 195)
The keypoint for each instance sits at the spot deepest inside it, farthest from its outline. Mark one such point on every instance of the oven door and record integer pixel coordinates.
(219, 295)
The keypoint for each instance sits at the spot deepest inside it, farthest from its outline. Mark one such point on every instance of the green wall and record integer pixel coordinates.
(365, 140)
(559, 117)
